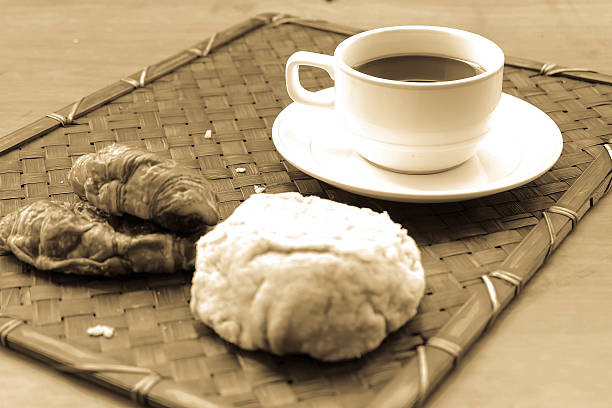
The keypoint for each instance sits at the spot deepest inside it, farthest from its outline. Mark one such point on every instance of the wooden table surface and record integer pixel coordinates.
(551, 348)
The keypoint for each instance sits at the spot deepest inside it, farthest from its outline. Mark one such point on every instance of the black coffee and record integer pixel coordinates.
(419, 68)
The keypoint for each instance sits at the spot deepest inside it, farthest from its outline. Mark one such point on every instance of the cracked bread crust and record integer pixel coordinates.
(292, 274)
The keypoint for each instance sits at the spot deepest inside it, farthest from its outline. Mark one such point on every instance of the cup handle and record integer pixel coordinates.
(294, 87)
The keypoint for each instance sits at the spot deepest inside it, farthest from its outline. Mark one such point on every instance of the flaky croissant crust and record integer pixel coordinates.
(124, 180)
(77, 238)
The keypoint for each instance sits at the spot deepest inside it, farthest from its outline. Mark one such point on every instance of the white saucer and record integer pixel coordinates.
(523, 143)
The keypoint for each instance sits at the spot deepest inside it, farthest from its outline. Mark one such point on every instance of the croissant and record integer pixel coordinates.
(78, 238)
(124, 180)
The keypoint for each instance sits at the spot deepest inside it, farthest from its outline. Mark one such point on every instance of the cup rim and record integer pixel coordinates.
(407, 84)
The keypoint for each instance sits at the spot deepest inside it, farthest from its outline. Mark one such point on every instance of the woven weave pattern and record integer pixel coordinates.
(236, 92)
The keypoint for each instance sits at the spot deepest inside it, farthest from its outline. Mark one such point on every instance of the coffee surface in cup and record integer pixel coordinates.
(419, 68)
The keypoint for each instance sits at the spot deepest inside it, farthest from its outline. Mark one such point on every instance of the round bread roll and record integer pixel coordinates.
(292, 274)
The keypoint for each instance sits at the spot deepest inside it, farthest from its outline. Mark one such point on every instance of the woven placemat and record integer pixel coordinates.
(477, 254)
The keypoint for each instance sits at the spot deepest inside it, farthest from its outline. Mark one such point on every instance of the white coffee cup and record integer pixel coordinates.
(412, 127)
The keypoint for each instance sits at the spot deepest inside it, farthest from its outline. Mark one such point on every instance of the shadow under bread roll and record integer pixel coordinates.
(125, 180)
(78, 238)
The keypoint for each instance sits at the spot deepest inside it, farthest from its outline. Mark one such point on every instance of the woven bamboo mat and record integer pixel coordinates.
(477, 254)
